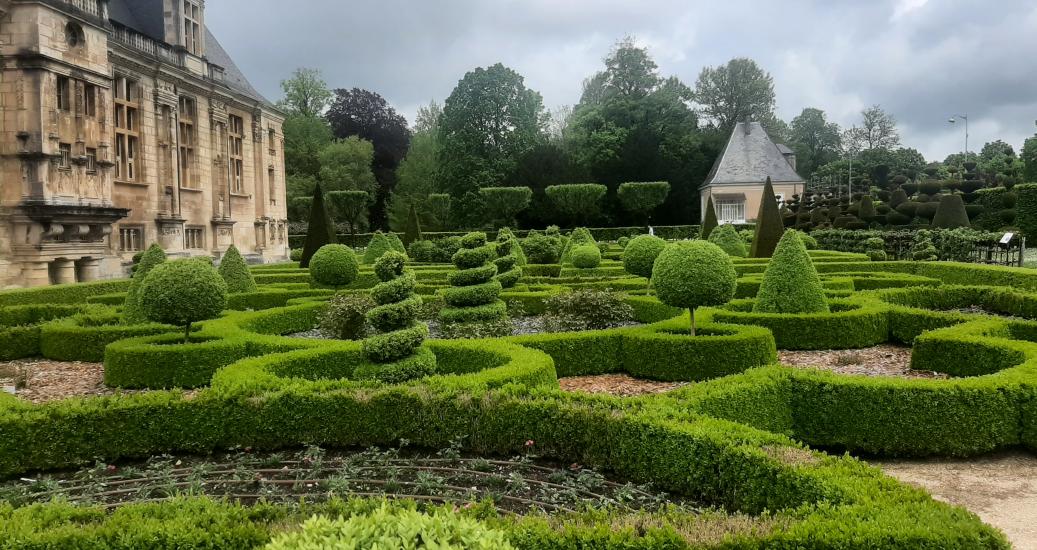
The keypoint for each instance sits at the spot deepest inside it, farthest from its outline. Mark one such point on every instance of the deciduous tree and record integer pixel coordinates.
(734, 92)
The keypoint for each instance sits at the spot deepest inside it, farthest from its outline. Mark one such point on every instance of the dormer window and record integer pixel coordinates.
(193, 27)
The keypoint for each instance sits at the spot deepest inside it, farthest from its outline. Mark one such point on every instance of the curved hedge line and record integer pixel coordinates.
(852, 323)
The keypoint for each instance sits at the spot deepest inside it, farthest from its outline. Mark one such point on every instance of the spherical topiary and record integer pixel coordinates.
(183, 292)
(474, 291)
(235, 272)
(727, 238)
(586, 257)
(391, 527)
(334, 265)
(640, 254)
(692, 274)
(623, 242)
(790, 283)
(132, 313)
(395, 349)
(379, 244)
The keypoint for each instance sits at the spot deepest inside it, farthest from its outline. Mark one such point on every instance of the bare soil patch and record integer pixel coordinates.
(883, 360)
(1000, 488)
(43, 381)
(619, 385)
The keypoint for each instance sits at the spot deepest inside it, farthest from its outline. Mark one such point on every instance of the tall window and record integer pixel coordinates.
(64, 93)
(731, 210)
(91, 160)
(237, 164)
(192, 27)
(127, 128)
(65, 158)
(272, 137)
(188, 112)
(90, 100)
(130, 239)
(273, 185)
(194, 238)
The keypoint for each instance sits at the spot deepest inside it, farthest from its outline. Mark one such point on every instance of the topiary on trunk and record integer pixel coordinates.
(473, 293)
(694, 274)
(132, 314)
(395, 352)
(769, 227)
(235, 272)
(710, 222)
(320, 230)
(182, 293)
(727, 238)
(790, 283)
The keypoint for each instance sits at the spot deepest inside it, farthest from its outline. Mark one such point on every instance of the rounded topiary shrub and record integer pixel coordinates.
(235, 272)
(579, 237)
(345, 316)
(586, 257)
(182, 293)
(508, 271)
(395, 349)
(379, 244)
(334, 265)
(640, 254)
(693, 274)
(790, 283)
(390, 527)
(727, 238)
(473, 293)
(132, 313)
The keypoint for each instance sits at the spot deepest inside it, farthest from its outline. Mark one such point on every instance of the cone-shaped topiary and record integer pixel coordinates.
(132, 313)
(580, 236)
(866, 210)
(710, 222)
(951, 213)
(640, 254)
(396, 350)
(412, 233)
(235, 272)
(380, 244)
(334, 265)
(183, 292)
(508, 271)
(586, 256)
(473, 293)
(506, 234)
(728, 239)
(693, 274)
(791, 284)
(397, 244)
(769, 227)
(320, 230)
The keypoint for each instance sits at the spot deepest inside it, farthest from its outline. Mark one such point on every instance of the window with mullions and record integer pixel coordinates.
(127, 128)
(237, 163)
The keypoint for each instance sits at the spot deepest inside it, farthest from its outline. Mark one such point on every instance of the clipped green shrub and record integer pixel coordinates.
(808, 241)
(642, 198)
(235, 272)
(395, 349)
(397, 243)
(542, 249)
(580, 202)
(586, 309)
(506, 234)
(183, 292)
(923, 249)
(876, 249)
(508, 270)
(693, 274)
(586, 257)
(950, 213)
(132, 313)
(345, 317)
(320, 230)
(640, 254)
(769, 227)
(473, 294)
(391, 527)
(727, 238)
(295, 254)
(579, 237)
(334, 265)
(710, 223)
(380, 244)
(790, 283)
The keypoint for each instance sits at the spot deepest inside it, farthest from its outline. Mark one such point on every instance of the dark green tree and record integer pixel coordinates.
(413, 230)
(734, 92)
(579, 202)
(320, 231)
(642, 198)
(769, 227)
(951, 214)
(791, 283)
(351, 207)
(504, 203)
(710, 223)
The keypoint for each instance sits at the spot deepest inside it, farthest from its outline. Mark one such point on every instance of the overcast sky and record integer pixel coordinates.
(922, 60)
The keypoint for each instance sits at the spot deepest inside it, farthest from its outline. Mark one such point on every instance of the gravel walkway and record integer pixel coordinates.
(46, 381)
(619, 385)
(883, 360)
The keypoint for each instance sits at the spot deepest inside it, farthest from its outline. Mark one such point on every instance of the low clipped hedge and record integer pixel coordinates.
(84, 337)
(62, 294)
(851, 324)
(20, 327)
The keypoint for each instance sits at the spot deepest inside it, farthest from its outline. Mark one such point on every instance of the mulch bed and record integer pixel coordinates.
(46, 381)
(883, 360)
(619, 385)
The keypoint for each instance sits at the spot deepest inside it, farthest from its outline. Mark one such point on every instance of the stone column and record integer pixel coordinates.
(64, 271)
(88, 269)
(35, 274)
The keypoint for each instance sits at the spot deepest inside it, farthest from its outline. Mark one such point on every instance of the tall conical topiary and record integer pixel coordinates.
(506, 234)
(132, 313)
(412, 232)
(474, 293)
(951, 213)
(791, 284)
(710, 222)
(728, 239)
(769, 227)
(396, 351)
(235, 272)
(396, 243)
(379, 244)
(320, 230)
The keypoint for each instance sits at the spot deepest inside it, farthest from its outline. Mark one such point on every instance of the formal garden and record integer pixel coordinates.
(559, 389)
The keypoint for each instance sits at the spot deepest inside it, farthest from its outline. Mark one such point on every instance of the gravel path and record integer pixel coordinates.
(619, 385)
(43, 381)
(883, 360)
(1000, 488)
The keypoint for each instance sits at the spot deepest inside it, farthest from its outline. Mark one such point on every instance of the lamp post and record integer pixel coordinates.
(953, 120)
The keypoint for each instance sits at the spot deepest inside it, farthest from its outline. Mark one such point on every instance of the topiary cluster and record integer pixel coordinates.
(334, 266)
(693, 274)
(507, 262)
(579, 237)
(728, 239)
(876, 249)
(923, 249)
(132, 313)
(396, 350)
(473, 293)
(235, 272)
(586, 256)
(791, 283)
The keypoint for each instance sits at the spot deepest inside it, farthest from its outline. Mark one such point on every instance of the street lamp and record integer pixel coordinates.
(953, 120)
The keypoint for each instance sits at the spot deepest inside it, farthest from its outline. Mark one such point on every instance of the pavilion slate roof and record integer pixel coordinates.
(751, 157)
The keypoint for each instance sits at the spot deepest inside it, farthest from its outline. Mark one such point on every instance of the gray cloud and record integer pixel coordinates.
(923, 60)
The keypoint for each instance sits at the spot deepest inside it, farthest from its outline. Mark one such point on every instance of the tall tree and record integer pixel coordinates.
(345, 165)
(305, 94)
(1029, 157)
(734, 92)
(488, 122)
(366, 114)
(630, 72)
(416, 176)
(304, 138)
(993, 149)
(878, 130)
(815, 140)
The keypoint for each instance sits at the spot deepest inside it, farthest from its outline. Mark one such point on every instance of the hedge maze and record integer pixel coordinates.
(742, 438)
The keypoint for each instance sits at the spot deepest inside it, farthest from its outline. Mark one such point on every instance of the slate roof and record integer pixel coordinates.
(751, 157)
(146, 17)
